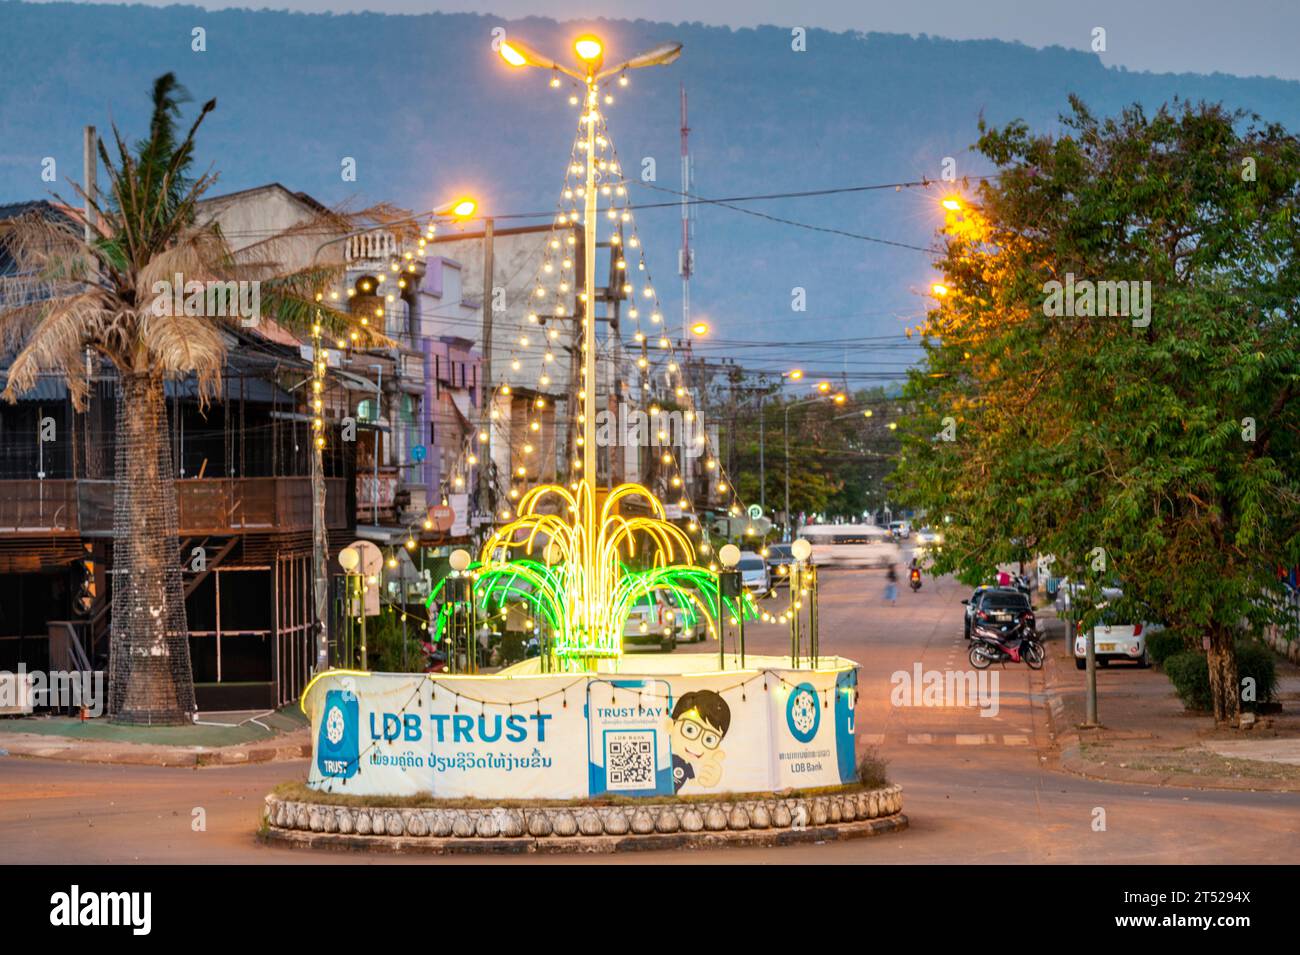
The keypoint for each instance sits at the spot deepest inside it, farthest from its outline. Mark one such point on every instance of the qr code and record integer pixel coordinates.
(630, 760)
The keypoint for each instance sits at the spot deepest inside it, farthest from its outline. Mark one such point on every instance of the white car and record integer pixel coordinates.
(1114, 640)
(928, 537)
(754, 574)
(651, 622)
(900, 529)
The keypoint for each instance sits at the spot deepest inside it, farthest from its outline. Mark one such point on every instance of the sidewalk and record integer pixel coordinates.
(219, 739)
(1147, 736)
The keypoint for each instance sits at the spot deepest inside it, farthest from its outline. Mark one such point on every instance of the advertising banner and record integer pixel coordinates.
(577, 735)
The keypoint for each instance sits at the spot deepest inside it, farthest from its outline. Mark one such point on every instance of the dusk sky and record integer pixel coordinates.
(1246, 38)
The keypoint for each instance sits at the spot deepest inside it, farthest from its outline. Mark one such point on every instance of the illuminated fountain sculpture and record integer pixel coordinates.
(580, 720)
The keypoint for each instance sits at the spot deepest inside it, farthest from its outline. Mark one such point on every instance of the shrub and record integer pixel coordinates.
(1256, 662)
(384, 644)
(1163, 644)
(871, 769)
(1190, 675)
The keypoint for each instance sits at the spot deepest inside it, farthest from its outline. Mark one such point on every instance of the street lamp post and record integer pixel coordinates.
(590, 51)
(460, 209)
(486, 505)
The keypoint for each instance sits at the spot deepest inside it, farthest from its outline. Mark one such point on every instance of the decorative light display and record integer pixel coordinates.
(603, 562)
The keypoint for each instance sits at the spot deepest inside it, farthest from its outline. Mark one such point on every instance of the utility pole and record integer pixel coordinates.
(762, 467)
(89, 173)
(1090, 654)
(485, 503)
(789, 531)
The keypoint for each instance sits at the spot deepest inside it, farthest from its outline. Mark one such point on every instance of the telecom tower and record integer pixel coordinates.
(686, 256)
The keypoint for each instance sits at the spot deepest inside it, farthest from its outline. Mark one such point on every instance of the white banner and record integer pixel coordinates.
(576, 735)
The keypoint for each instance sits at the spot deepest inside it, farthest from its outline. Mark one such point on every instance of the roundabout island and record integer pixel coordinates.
(647, 753)
(580, 746)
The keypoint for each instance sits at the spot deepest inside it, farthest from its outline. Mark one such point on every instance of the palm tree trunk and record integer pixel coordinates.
(150, 677)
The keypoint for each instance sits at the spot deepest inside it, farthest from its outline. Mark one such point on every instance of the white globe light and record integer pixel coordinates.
(348, 559)
(459, 560)
(729, 554)
(801, 549)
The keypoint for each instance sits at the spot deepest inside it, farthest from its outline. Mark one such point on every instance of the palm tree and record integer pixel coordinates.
(102, 296)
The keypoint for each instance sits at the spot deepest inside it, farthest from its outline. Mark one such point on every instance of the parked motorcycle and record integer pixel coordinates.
(1011, 642)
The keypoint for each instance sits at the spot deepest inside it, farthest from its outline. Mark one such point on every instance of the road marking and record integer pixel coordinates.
(873, 739)
(919, 738)
(974, 739)
(1015, 740)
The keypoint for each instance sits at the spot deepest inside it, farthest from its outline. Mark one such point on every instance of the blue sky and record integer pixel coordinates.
(1242, 37)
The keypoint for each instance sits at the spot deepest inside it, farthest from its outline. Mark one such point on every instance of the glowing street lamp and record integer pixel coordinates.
(464, 208)
(952, 204)
(794, 374)
(939, 289)
(590, 52)
(700, 328)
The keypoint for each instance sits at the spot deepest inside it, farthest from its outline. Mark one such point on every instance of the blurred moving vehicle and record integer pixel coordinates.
(852, 545)
(928, 537)
(754, 574)
(900, 530)
(779, 558)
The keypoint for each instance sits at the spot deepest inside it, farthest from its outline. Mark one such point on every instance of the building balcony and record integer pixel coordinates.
(204, 506)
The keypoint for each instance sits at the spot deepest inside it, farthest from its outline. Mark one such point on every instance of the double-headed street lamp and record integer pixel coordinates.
(590, 53)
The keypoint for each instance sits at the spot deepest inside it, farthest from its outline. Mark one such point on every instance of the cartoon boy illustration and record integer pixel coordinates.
(700, 721)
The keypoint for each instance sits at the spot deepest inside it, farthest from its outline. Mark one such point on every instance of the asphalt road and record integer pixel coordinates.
(977, 789)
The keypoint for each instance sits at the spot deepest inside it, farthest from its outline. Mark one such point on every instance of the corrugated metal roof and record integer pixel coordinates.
(47, 388)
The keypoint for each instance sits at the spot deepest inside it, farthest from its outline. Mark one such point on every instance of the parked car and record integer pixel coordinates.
(1114, 639)
(1070, 592)
(995, 605)
(779, 558)
(651, 622)
(753, 573)
(686, 619)
(901, 530)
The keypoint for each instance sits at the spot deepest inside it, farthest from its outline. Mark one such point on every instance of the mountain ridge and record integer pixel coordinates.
(425, 110)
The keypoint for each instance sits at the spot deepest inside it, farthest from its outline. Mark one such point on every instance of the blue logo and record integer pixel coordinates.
(802, 713)
(419, 453)
(337, 752)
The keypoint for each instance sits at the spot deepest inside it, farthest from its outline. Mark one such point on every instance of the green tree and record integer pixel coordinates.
(1157, 448)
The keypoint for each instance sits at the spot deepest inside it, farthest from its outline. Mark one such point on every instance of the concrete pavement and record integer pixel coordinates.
(976, 788)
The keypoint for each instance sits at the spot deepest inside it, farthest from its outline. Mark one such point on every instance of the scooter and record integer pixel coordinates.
(1006, 643)
(914, 580)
